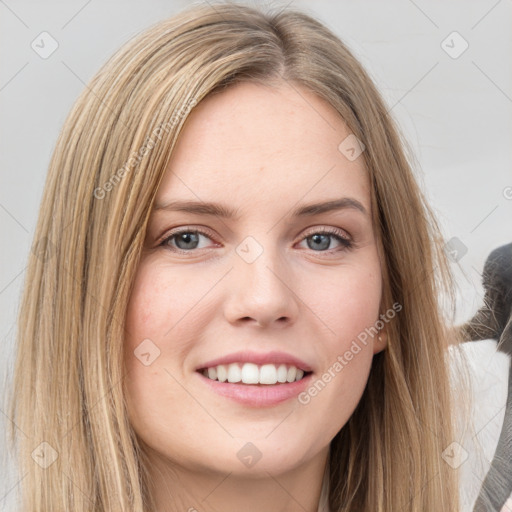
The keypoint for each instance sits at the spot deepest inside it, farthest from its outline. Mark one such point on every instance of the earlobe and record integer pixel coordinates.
(380, 342)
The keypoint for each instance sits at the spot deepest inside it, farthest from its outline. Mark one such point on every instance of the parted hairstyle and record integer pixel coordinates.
(102, 180)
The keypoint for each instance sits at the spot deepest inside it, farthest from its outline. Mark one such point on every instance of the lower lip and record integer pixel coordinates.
(263, 395)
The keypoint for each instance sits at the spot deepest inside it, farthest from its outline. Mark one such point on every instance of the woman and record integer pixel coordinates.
(235, 298)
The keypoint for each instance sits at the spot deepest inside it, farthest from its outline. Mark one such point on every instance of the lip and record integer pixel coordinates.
(247, 356)
(258, 395)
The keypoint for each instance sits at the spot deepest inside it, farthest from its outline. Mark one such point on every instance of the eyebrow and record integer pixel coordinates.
(219, 210)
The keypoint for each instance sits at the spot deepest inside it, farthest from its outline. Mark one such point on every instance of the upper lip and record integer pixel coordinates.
(259, 358)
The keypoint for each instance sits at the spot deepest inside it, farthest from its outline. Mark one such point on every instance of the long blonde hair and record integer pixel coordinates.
(103, 176)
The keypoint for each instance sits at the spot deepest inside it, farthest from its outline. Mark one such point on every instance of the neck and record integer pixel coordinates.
(176, 488)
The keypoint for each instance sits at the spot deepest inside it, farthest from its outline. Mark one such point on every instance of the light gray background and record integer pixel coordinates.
(456, 114)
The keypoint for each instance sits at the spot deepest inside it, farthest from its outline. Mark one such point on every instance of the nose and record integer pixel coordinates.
(261, 292)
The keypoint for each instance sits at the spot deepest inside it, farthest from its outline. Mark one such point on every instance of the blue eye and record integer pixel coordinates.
(322, 240)
(187, 240)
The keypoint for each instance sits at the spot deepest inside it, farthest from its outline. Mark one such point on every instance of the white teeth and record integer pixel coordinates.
(268, 374)
(250, 373)
(222, 373)
(234, 373)
(292, 373)
(281, 373)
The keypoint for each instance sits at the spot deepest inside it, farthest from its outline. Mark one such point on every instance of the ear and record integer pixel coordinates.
(380, 341)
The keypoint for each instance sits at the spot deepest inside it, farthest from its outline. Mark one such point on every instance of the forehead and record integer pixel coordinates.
(252, 144)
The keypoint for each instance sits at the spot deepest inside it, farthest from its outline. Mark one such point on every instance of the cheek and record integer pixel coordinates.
(152, 316)
(349, 304)
(156, 312)
(349, 307)
(159, 304)
(167, 314)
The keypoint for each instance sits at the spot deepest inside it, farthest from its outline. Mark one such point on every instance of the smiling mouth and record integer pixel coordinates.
(253, 374)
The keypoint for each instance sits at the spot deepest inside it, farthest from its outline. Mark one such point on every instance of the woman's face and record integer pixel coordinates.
(238, 264)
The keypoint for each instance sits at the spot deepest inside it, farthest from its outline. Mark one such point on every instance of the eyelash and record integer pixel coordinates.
(334, 232)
